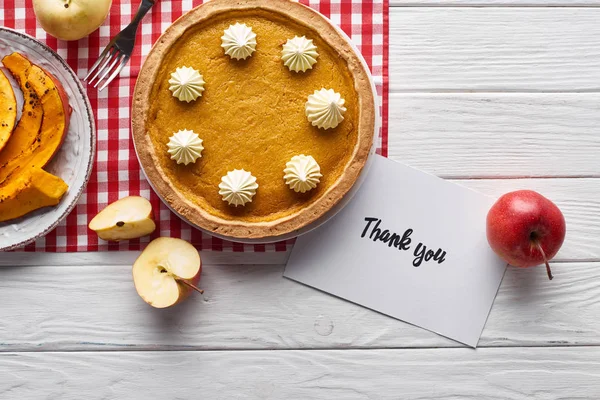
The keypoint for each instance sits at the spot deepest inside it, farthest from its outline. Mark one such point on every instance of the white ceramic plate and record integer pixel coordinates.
(73, 162)
(338, 207)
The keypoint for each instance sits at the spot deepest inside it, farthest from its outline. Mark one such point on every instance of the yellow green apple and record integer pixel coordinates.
(71, 19)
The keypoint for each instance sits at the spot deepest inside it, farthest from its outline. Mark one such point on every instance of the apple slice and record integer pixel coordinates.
(127, 218)
(167, 271)
(8, 110)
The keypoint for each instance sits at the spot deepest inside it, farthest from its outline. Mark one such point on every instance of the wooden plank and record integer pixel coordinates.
(128, 257)
(253, 307)
(497, 135)
(494, 49)
(441, 374)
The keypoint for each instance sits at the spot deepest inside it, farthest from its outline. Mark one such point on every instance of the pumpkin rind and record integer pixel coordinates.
(53, 129)
(31, 190)
(8, 110)
(24, 185)
(29, 125)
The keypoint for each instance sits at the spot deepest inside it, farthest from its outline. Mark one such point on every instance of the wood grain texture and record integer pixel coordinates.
(86, 302)
(253, 307)
(441, 374)
(128, 257)
(497, 135)
(494, 49)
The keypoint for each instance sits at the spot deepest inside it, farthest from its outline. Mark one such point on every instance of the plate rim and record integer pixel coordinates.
(92, 123)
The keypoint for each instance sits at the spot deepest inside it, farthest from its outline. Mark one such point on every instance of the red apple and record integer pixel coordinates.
(525, 229)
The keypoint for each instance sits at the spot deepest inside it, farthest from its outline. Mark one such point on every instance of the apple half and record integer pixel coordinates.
(127, 218)
(167, 271)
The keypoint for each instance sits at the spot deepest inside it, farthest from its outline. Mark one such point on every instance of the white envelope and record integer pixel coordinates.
(411, 246)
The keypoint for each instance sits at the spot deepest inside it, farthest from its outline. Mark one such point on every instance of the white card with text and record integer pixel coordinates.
(409, 245)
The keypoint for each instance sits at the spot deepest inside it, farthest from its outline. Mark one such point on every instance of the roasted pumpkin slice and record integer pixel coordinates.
(8, 110)
(28, 127)
(53, 129)
(31, 190)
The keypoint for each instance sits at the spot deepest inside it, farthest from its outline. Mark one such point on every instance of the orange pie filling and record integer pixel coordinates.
(251, 116)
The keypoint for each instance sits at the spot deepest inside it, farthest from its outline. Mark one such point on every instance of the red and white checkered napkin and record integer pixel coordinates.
(117, 172)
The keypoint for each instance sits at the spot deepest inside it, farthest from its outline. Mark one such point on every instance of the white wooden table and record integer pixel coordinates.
(495, 94)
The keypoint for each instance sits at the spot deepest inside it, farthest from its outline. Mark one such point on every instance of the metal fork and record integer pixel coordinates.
(118, 52)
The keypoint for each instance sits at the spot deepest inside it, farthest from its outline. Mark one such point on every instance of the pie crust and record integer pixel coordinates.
(233, 228)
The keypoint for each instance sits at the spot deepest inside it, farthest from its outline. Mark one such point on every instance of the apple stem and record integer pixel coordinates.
(186, 283)
(548, 270)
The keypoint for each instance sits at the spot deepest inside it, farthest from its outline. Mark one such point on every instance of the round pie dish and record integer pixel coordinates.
(251, 116)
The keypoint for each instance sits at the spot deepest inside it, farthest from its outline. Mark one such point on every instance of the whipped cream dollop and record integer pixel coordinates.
(302, 173)
(238, 187)
(299, 54)
(185, 147)
(187, 84)
(325, 108)
(239, 41)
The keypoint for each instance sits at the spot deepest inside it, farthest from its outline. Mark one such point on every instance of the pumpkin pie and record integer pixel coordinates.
(253, 116)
